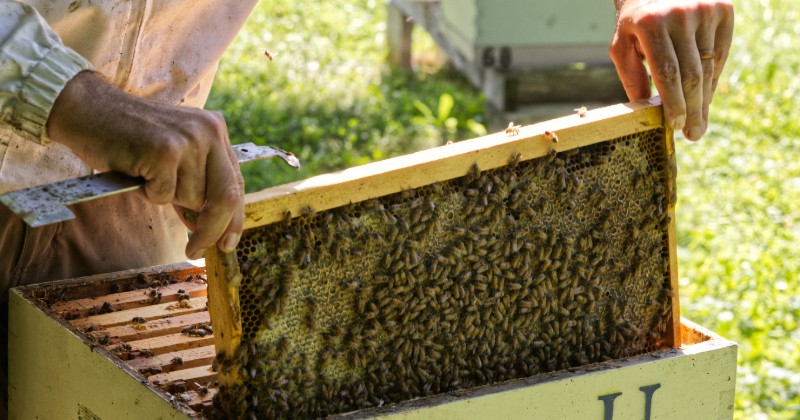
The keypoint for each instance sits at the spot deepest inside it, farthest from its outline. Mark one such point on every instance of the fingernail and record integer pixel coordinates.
(230, 242)
(678, 122)
(695, 133)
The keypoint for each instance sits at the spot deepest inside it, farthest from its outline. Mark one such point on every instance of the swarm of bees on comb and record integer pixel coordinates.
(533, 267)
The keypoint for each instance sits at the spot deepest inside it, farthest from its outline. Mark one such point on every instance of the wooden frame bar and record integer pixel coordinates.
(447, 162)
(426, 167)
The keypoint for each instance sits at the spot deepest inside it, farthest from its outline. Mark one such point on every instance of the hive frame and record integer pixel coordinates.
(422, 168)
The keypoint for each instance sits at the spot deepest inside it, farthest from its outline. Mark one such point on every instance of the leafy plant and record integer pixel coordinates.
(443, 121)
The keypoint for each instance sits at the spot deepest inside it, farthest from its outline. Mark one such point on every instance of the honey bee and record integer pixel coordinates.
(581, 111)
(515, 159)
(307, 211)
(512, 130)
(155, 295)
(150, 370)
(201, 389)
(551, 136)
(123, 347)
(268, 54)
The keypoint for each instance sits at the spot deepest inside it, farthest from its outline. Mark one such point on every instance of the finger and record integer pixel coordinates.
(187, 216)
(190, 191)
(223, 199)
(160, 189)
(722, 43)
(231, 236)
(705, 41)
(632, 73)
(660, 55)
(708, 95)
(691, 71)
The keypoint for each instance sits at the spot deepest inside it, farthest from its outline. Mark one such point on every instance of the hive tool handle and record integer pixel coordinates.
(46, 204)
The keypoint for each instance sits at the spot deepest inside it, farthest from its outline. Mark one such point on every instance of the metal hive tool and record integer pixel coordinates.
(533, 266)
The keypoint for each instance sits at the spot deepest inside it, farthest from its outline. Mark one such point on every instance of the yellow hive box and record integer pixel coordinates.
(57, 372)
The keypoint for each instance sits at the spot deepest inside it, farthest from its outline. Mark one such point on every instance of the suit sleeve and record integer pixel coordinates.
(34, 68)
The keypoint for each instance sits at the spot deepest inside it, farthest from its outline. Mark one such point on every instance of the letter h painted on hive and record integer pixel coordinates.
(608, 401)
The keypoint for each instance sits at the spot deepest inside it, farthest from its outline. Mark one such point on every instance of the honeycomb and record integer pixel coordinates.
(532, 267)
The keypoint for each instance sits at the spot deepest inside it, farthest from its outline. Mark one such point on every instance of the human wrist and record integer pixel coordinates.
(88, 113)
(69, 107)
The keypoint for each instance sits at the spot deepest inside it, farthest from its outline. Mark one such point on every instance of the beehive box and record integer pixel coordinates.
(59, 371)
(544, 34)
(443, 278)
(517, 53)
(98, 347)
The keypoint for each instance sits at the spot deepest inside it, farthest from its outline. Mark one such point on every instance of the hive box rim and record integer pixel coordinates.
(26, 293)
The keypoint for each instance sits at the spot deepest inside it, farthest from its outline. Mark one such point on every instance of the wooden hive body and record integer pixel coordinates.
(72, 371)
(481, 261)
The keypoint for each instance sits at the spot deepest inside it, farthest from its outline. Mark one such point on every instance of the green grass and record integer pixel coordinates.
(738, 214)
(328, 97)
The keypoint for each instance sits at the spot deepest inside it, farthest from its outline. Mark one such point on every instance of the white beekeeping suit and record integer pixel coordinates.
(164, 50)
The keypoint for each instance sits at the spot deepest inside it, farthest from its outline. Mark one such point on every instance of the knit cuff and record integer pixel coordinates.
(41, 88)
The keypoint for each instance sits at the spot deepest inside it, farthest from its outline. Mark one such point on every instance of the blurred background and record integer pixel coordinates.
(329, 96)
